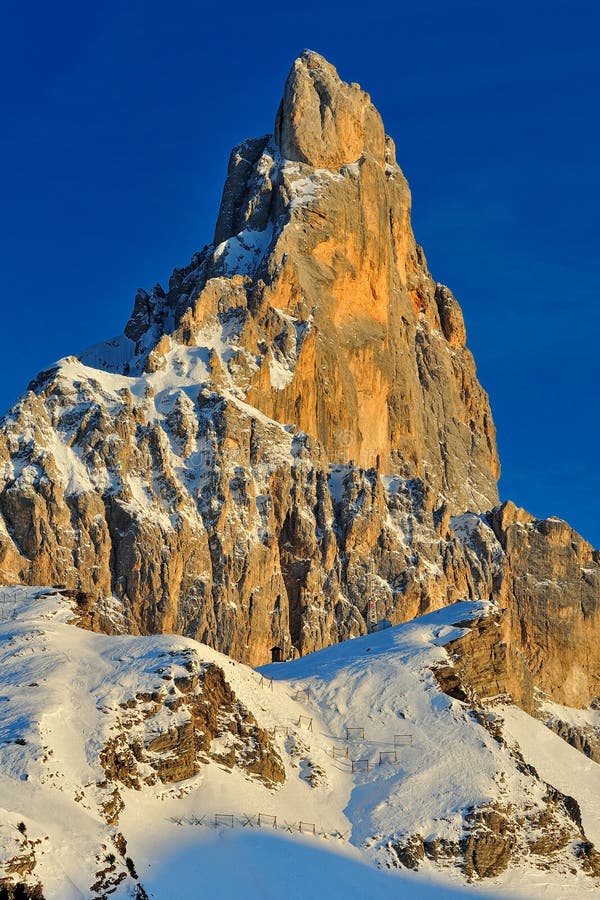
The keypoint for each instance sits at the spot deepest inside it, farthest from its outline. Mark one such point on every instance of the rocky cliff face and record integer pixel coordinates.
(293, 427)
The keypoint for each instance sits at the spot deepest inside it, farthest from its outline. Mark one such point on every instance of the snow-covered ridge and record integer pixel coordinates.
(64, 690)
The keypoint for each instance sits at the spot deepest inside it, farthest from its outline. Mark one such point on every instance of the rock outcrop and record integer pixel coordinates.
(293, 428)
(541, 637)
(552, 589)
(167, 734)
(493, 839)
(585, 738)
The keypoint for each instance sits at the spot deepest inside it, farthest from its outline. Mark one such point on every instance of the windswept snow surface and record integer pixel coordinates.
(61, 689)
(263, 866)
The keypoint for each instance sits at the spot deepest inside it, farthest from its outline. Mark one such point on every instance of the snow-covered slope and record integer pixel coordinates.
(83, 821)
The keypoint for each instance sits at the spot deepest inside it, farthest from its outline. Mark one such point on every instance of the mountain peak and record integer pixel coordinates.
(298, 406)
(315, 279)
(324, 122)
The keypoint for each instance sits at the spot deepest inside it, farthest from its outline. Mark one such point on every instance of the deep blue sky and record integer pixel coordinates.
(118, 118)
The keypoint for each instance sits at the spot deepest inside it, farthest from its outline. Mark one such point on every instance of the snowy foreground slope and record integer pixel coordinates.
(83, 821)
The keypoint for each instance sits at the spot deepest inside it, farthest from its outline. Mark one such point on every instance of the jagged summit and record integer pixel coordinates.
(324, 122)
